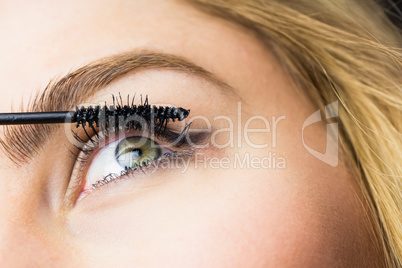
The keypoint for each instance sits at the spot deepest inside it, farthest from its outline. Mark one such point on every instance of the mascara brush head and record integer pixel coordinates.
(101, 115)
(156, 114)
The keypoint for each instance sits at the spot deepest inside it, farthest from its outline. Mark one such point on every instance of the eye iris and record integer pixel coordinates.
(134, 152)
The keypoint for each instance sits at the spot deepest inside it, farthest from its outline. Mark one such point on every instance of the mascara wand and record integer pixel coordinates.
(92, 115)
(36, 118)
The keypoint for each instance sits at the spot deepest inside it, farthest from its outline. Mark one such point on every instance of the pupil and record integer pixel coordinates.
(136, 153)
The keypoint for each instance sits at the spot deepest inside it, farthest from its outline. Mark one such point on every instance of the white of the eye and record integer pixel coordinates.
(103, 164)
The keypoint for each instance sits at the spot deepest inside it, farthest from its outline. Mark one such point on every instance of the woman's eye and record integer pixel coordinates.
(126, 154)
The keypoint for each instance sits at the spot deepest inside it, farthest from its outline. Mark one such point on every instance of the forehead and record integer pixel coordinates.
(46, 40)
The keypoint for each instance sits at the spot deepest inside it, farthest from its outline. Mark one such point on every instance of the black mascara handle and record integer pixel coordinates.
(37, 118)
(91, 115)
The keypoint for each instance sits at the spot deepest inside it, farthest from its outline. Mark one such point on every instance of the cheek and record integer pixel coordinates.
(277, 218)
(216, 218)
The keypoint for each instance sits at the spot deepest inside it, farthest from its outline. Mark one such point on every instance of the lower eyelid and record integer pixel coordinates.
(134, 174)
(92, 149)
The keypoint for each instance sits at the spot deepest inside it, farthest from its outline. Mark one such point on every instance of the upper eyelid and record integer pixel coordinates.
(165, 135)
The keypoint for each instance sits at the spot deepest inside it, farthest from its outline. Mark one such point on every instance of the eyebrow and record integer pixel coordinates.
(21, 142)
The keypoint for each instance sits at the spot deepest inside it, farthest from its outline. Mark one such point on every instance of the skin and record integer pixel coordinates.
(308, 214)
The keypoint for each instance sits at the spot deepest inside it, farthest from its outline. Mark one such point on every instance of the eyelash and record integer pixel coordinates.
(127, 172)
(154, 130)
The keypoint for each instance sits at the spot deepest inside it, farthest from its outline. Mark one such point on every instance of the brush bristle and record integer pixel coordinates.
(97, 115)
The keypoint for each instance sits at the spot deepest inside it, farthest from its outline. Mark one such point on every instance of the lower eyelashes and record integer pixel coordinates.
(121, 157)
(139, 172)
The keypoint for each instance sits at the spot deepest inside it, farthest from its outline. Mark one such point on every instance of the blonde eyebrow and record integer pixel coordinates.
(21, 142)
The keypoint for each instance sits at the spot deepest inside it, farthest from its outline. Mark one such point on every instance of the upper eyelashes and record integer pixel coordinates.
(106, 115)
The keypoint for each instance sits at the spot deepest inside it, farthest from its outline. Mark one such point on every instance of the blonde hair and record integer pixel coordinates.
(344, 50)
